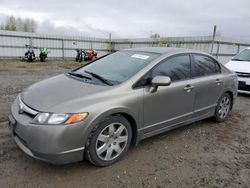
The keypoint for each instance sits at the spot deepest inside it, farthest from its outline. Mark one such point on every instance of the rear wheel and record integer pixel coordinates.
(80, 59)
(223, 108)
(29, 58)
(109, 141)
(77, 58)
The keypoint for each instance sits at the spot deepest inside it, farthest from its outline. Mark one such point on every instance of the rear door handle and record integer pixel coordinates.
(218, 81)
(188, 88)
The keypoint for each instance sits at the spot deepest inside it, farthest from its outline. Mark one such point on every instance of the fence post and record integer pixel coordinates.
(218, 49)
(31, 42)
(62, 49)
(110, 43)
(214, 33)
(131, 44)
(238, 49)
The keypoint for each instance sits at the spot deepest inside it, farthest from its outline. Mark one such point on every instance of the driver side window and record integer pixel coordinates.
(177, 68)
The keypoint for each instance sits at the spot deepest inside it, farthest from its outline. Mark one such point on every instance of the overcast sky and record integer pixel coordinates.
(137, 18)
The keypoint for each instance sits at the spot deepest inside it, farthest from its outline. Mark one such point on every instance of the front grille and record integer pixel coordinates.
(243, 74)
(23, 108)
(242, 86)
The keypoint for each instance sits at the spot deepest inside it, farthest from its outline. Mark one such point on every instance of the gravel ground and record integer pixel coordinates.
(203, 154)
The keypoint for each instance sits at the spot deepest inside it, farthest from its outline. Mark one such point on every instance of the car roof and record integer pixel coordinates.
(163, 50)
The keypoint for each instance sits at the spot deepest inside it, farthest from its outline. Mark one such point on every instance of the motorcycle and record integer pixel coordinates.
(90, 55)
(81, 55)
(29, 55)
(86, 55)
(43, 54)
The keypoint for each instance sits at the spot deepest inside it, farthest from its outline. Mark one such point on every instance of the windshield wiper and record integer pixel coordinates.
(99, 77)
(78, 75)
(237, 59)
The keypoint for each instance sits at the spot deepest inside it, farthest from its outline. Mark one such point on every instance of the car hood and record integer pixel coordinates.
(60, 94)
(239, 66)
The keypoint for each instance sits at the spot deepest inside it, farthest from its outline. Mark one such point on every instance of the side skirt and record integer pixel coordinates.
(177, 125)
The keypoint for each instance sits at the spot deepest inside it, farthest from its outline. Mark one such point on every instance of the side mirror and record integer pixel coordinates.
(159, 81)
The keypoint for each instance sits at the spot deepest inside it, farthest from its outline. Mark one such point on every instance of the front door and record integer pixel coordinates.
(172, 104)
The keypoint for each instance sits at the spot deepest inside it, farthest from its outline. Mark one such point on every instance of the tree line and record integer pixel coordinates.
(19, 24)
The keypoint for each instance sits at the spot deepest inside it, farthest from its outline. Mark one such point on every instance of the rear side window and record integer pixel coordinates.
(177, 68)
(204, 65)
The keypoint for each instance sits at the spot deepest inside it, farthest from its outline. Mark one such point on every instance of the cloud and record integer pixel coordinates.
(134, 18)
(48, 26)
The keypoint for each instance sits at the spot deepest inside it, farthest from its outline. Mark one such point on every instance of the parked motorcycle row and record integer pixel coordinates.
(82, 55)
(30, 56)
(85, 55)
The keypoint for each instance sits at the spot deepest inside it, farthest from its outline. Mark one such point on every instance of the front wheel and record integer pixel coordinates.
(42, 58)
(109, 141)
(223, 108)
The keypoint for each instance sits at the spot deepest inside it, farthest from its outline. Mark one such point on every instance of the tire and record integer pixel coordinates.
(30, 59)
(77, 58)
(86, 58)
(109, 141)
(42, 58)
(223, 108)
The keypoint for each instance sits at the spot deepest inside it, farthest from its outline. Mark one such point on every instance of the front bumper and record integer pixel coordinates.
(57, 144)
(244, 84)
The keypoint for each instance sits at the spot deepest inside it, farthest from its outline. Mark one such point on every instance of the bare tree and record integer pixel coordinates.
(2, 27)
(30, 25)
(12, 23)
(19, 24)
(155, 36)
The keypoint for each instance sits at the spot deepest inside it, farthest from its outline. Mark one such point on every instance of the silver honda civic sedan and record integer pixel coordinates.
(99, 110)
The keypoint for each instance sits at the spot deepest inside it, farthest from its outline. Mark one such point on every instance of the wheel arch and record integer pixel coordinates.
(232, 98)
(117, 111)
(133, 125)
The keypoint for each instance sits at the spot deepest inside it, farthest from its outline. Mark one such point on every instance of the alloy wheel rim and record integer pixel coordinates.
(224, 107)
(111, 141)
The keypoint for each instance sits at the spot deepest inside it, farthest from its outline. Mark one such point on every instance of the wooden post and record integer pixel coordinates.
(214, 34)
(62, 49)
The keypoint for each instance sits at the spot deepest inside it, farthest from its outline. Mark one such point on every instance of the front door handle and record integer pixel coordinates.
(188, 88)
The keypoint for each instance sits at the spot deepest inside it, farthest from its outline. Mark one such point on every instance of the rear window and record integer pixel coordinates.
(204, 65)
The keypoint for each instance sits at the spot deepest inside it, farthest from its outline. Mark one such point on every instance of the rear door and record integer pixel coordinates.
(208, 82)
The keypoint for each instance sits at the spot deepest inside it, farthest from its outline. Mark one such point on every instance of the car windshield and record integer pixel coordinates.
(118, 67)
(243, 56)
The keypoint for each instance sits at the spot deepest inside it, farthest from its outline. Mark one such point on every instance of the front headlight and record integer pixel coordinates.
(55, 119)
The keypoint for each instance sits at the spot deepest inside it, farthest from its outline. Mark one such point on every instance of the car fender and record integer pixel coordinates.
(109, 112)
